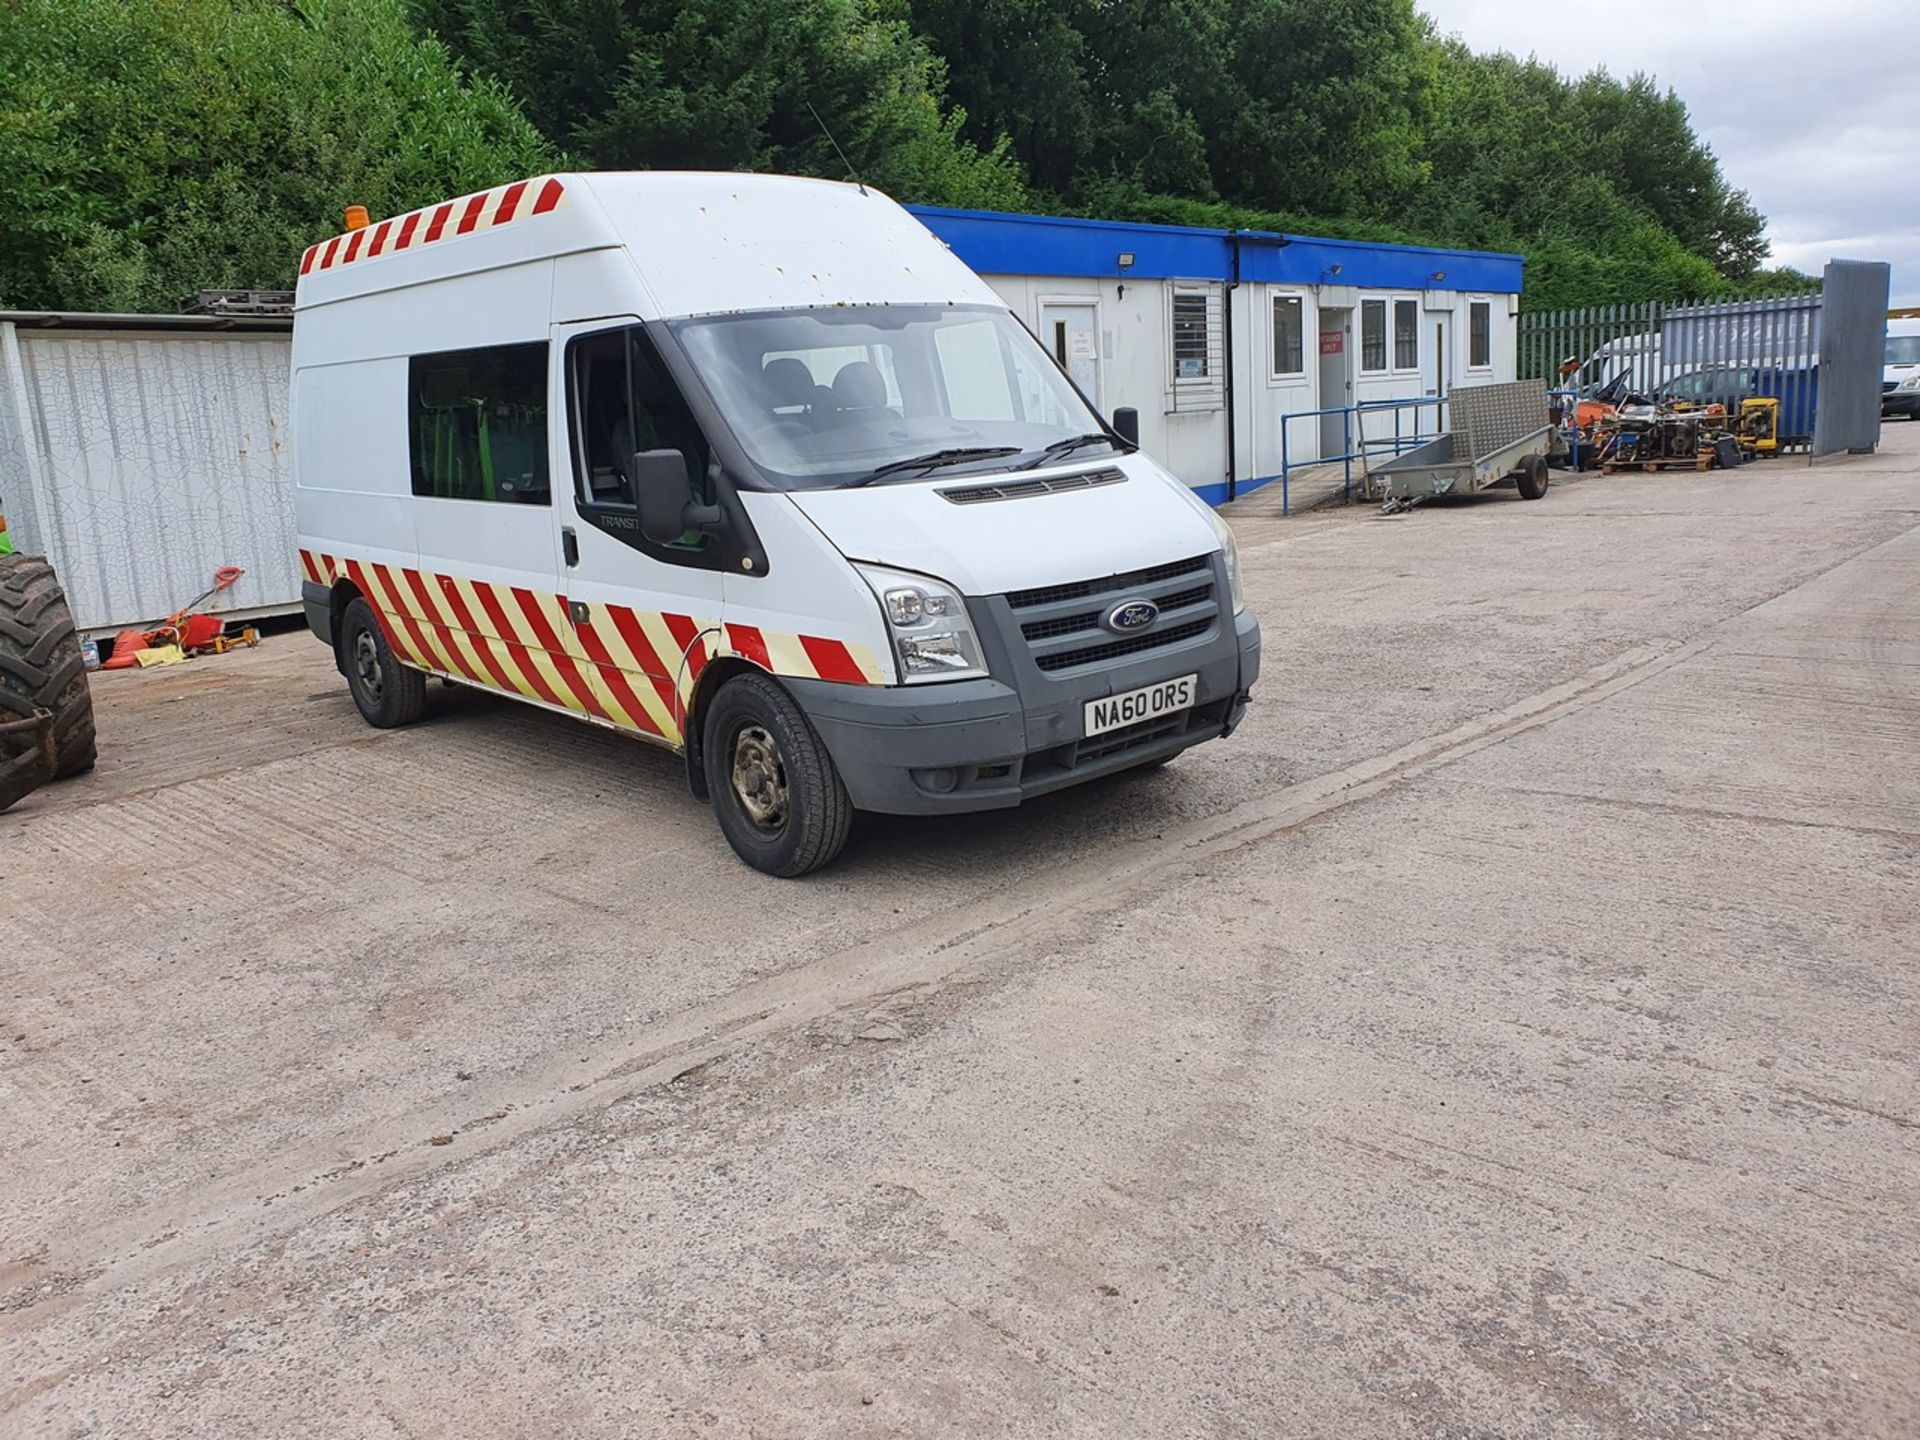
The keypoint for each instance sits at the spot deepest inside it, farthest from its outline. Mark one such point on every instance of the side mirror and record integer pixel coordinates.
(665, 498)
(1126, 424)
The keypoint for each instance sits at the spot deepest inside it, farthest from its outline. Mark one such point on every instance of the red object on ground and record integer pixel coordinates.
(199, 631)
(124, 646)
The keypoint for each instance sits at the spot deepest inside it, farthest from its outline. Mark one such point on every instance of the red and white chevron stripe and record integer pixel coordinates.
(626, 671)
(431, 224)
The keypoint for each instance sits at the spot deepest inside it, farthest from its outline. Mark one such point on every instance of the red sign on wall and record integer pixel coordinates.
(1333, 342)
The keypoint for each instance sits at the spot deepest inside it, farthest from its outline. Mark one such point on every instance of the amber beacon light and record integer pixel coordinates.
(357, 217)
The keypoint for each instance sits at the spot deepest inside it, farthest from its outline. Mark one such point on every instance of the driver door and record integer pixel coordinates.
(641, 615)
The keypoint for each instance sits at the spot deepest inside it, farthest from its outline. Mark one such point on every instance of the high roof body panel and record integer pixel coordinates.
(699, 244)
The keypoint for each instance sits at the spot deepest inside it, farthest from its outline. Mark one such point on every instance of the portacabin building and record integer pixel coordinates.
(1222, 340)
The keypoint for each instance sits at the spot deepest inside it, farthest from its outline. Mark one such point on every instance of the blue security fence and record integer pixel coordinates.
(1712, 353)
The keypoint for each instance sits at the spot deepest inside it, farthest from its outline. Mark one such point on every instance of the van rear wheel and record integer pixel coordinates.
(387, 693)
(778, 798)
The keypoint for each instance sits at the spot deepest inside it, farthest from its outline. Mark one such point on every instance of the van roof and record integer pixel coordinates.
(702, 243)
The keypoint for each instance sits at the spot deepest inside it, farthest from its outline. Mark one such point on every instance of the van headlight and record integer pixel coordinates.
(1909, 385)
(932, 634)
(1232, 549)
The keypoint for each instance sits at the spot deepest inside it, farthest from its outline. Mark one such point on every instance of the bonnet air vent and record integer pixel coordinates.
(1022, 489)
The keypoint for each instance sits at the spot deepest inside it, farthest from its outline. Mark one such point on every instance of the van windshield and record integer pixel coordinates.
(824, 398)
(1903, 350)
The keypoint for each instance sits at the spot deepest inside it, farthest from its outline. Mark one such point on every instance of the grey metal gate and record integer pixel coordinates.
(1853, 344)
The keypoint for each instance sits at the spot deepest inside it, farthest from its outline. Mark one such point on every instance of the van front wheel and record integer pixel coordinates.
(778, 798)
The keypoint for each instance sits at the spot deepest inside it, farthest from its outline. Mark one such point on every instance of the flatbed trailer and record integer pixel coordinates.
(1496, 433)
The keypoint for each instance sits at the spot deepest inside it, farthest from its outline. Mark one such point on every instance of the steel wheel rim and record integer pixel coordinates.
(760, 778)
(366, 665)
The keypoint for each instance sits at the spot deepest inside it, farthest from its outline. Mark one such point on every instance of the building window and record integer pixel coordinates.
(1192, 350)
(1479, 335)
(1196, 352)
(1406, 334)
(1289, 337)
(477, 424)
(1373, 335)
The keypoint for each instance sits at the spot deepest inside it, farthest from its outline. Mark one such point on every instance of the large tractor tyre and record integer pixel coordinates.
(387, 693)
(776, 794)
(40, 665)
(1533, 477)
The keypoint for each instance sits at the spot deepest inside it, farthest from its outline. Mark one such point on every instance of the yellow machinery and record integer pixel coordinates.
(1758, 430)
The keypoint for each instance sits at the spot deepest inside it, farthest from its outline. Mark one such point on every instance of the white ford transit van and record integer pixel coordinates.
(751, 467)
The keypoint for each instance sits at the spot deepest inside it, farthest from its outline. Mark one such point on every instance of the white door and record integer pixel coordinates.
(639, 615)
(1336, 379)
(1070, 329)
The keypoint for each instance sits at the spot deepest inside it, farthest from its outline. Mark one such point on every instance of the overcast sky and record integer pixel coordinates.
(1812, 106)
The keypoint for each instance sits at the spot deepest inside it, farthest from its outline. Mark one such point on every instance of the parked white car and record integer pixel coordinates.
(1900, 380)
(754, 468)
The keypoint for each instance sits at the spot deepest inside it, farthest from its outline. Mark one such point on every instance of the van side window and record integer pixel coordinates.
(624, 402)
(477, 424)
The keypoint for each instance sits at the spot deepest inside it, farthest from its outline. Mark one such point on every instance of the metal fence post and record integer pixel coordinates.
(1346, 444)
(1285, 463)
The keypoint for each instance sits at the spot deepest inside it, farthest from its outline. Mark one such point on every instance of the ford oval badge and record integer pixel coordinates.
(1130, 617)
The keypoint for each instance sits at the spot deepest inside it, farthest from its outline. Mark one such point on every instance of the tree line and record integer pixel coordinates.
(156, 149)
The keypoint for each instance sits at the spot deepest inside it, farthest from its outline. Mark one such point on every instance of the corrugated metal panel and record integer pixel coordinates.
(159, 459)
(1853, 354)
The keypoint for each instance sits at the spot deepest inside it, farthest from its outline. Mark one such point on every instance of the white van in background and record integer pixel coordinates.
(1900, 380)
(751, 467)
(1627, 365)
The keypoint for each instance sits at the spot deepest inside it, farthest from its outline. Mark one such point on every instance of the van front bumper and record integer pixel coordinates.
(969, 745)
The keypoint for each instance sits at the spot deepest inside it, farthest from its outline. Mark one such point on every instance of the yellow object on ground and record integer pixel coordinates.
(160, 655)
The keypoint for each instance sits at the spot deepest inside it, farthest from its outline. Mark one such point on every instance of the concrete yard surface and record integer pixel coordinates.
(1511, 1031)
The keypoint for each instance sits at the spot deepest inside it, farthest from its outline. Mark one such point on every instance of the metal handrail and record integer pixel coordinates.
(1352, 418)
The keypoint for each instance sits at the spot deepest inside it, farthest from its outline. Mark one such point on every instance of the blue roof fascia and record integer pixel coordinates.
(996, 243)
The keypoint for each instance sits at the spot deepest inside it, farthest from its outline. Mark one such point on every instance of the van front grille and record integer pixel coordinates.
(1117, 586)
(1064, 627)
(1118, 649)
(1089, 620)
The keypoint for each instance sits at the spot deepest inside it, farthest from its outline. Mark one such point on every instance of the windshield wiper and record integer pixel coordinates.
(1068, 446)
(933, 460)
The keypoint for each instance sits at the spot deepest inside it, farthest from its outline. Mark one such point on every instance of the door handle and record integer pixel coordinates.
(579, 612)
(569, 545)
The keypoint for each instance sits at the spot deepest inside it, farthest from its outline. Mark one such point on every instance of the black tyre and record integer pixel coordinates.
(1533, 477)
(778, 798)
(387, 693)
(40, 665)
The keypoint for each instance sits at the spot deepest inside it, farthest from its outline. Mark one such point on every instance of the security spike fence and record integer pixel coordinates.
(1701, 353)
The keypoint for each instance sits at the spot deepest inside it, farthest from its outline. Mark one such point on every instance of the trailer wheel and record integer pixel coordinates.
(40, 666)
(776, 794)
(387, 693)
(1533, 477)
